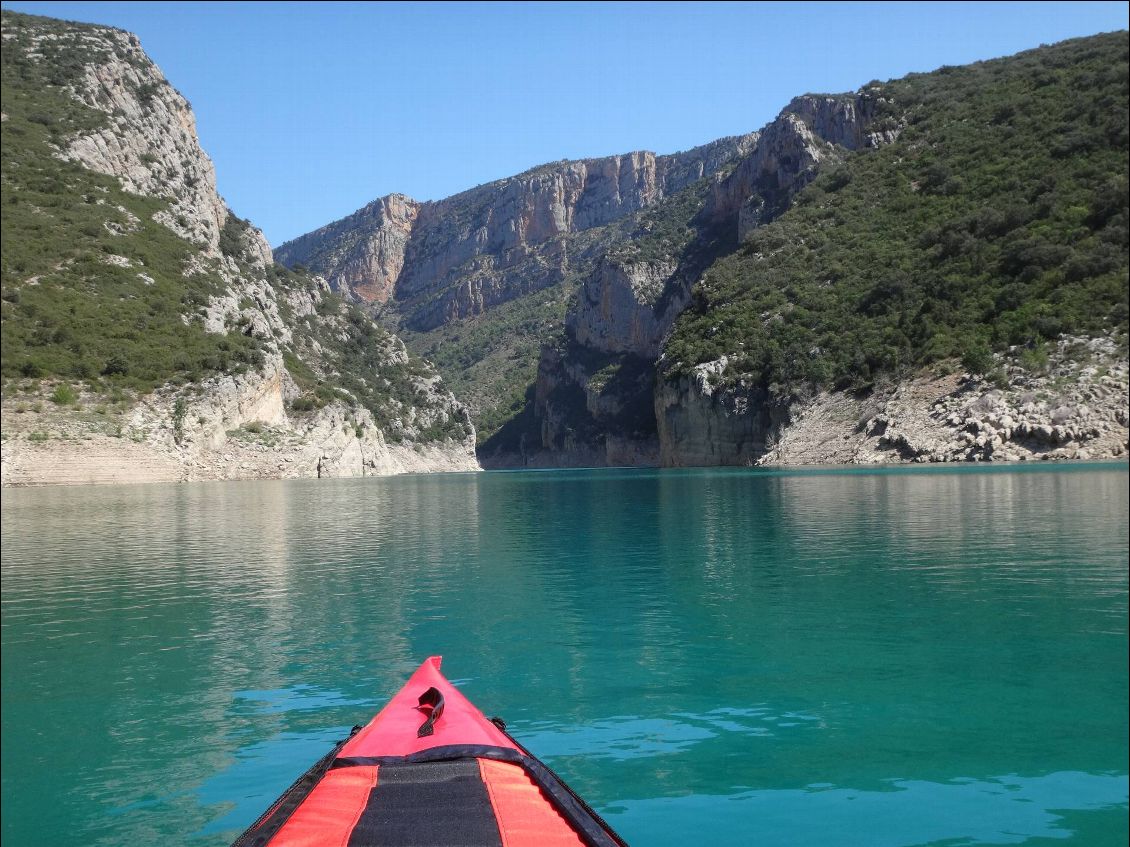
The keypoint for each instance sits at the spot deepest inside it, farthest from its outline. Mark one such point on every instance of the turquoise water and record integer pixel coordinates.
(880, 658)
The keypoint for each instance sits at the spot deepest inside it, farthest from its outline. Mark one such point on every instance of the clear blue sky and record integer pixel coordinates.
(312, 110)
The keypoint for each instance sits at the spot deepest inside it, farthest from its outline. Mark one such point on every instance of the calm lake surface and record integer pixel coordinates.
(879, 658)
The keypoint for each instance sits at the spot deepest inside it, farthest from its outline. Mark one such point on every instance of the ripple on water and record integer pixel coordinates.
(625, 737)
(998, 810)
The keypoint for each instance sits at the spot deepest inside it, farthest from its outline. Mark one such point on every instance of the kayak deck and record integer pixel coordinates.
(430, 770)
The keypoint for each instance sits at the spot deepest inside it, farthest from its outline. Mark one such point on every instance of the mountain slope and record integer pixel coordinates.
(997, 217)
(477, 281)
(593, 400)
(995, 222)
(139, 313)
(968, 217)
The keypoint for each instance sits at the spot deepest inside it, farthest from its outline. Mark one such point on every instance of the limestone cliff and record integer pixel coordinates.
(699, 424)
(149, 142)
(1074, 408)
(363, 254)
(296, 384)
(811, 131)
(444, 260)
(618, 308)
(628, 304)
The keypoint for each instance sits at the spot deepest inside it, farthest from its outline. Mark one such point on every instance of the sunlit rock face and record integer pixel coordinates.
(443, 260)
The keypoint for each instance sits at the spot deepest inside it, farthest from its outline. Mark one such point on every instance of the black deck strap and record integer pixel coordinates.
(591, 828)
(434, 699)
(428, 804)
(272, 820)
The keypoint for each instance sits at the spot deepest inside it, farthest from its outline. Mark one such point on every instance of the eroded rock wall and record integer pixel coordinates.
(239, 423)
(363, 254)
(619, 311)
(702, 422)
(443, 260)
(1076, 409)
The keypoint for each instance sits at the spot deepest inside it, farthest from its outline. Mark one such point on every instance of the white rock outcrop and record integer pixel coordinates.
(1076, 409)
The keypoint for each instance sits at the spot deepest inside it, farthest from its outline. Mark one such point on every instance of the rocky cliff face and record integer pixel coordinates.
(592, 398)
(700, 423)
(363, 254)
(627, 305)
(441, 261)
(812, 131)
(149, 142)
(1075, 408)
(327, 393)
(591, 410)
(618, 309)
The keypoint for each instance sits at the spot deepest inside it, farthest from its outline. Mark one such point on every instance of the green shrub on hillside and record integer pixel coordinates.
(999, 217)
(232, 235)
(71, 307)
(64, 395)
(489, 360)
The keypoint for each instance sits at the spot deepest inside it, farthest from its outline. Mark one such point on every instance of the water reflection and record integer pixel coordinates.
(685, 646)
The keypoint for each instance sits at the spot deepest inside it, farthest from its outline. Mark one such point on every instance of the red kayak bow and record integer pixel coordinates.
(430, 770)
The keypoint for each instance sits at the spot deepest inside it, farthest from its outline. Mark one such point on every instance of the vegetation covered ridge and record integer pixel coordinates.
(93, 286)
(126, 280)
(997, 218)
